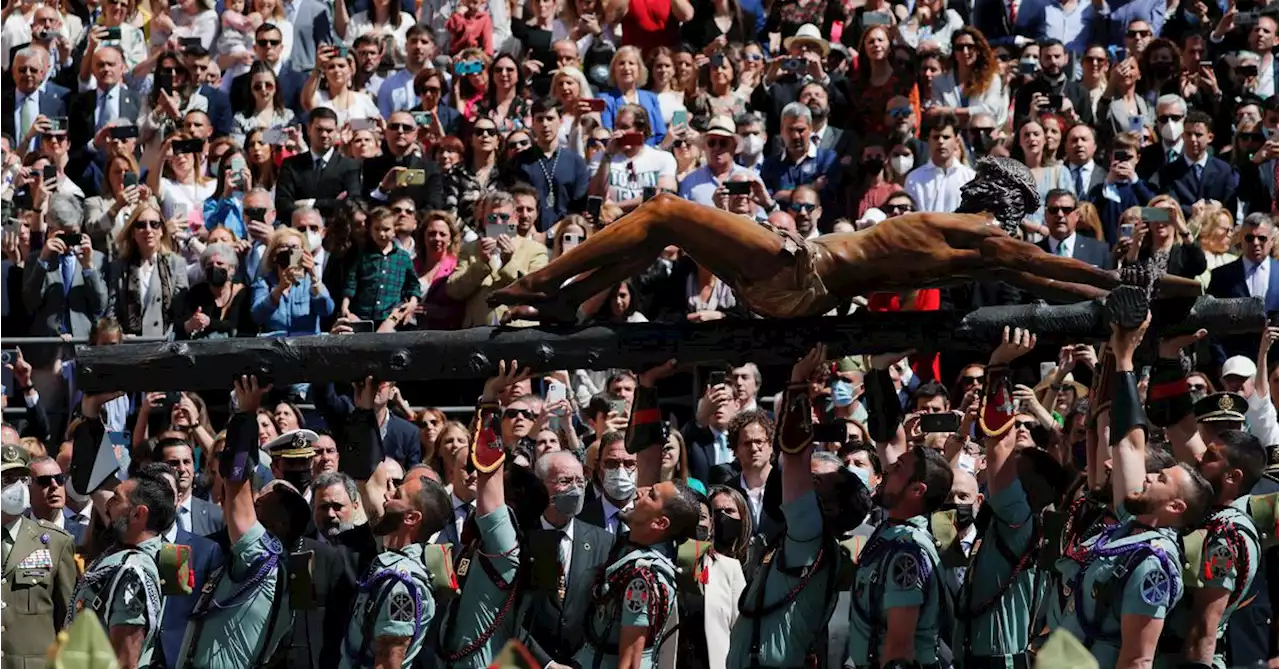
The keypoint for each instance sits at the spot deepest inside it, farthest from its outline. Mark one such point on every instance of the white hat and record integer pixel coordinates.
(869, 219)
(808, 33)
(1238, 365)
(722, 126)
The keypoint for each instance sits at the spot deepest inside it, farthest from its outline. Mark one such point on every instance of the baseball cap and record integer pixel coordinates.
(1238, 365)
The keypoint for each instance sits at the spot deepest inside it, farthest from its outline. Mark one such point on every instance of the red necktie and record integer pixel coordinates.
(1013, 12)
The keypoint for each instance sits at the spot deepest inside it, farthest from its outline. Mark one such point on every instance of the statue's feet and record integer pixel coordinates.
(1178, 286)
(545, 313)
(515, 293)
(1128, 306)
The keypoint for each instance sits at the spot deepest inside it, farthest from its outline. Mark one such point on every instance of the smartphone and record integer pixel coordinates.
(1122, 156)
(288, 258)
(1046, 368)
(1136, 124)
(1028, 67)
(717, 60)
(1155, 214)
(1122, 53)
(58, 124)
(123, 132)
(72, 240)
(496, 230)
(556, 391)
(716, 378)
(411, 178)
(113, 34)
(190, 43)
(835, 433)
(875, 19)
(257, 214)
(188, 146)
(424, 119)
(1126, 231)
(360, 326)
(342, 51)
(793, 65)
(946, 421)
(594, 203)
(648, 193)
(49, 173)
(1247, 70)
(597, 105)
(618, 406)
(358, 124)
(1055, 102)
(678, 117)
(1248, 18)
(1206, 63)
(738, 187)
(274, 137)
(632, 138)
(130, 179)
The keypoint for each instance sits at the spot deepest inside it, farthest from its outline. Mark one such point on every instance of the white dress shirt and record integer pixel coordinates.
(611, 518)
(566, 544)
(1069, 242)
(183, 515)
(1258, 276)
(755, 499)
(937, 188)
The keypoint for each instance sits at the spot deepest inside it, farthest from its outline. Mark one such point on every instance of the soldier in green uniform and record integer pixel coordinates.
(39, 570)
(242, 611)
(395, 604)
(785, 608)
(1121, 584)
(123, 585)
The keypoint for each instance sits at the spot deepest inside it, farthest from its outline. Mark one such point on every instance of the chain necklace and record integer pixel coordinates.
(549, 174)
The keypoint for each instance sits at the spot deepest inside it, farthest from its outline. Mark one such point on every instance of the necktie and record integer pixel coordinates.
(562, 583)
(1063, 250)
(104, 110)
(319, 165)
(1171, 156)
(1077, 173)
(1013, 12)
(28, 115)
(1198, 171)
(184, 519)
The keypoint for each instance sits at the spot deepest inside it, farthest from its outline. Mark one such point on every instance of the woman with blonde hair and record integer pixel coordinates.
(569, 232)
(470, 90)
(107, 213)
(570, 86)
(1170, 236)
(436, 258)
(628, 74)
(1213, 227)
(287, 296)
(147, 282)
(1089, 220)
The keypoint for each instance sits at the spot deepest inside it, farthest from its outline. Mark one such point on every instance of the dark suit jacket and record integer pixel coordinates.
(317, 634)
(289, 82)
(206, 556)
(206, 517)
(1229, 281)
(82, 106)
(298, 181)
(1136, 194)
(701, 450)
(428, 196)
(1217, 182)
(1086, 249)
(220, 114)
(556, 628)
(402, 441)
(52, 101)
(1151, 159)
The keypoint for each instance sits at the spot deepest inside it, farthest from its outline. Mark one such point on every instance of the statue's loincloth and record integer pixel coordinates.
(795, 291)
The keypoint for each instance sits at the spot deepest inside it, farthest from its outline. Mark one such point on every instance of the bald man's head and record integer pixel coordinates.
(964, 497)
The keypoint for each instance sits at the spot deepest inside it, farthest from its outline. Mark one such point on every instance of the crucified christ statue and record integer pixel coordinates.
(780, 275)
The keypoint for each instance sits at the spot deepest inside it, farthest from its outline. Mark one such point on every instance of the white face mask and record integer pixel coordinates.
(902, 164)
(620, 483)
(1171, 131)
(862, 473)
(314, 240)
(751, 145)
(15, 499)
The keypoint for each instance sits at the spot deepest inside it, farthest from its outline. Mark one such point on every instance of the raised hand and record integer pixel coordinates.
(1016, 344)
(249, 393)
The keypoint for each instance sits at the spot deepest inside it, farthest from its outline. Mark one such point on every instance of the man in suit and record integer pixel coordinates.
(1197, 176)
(49, 496)
(64, 287)
(92, 110)
(194, 515)
(320, 176)
(206, 556)
(1252, 275)
(1082, 148)
(706, 438)
(489, 263)
(1002, 23)
(1061, 215)
(402, 153)
(30, 97)
(39, 570)
(315, 640)
(197, 61)
(566, 555)
(1171, 112)
(615, 474)
(267, 48)
(461, 481)
(399, 436)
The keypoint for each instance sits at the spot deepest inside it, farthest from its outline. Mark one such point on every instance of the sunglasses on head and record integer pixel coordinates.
(518, 413)
(154, 224)
(520, 144)
(48, 479)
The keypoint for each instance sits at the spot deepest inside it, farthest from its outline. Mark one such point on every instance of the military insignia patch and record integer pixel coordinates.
(905, 570)
(131, 598)
(1219, 563)
(463, 565)
(1155, 588)
(402, 608)
(636, 598)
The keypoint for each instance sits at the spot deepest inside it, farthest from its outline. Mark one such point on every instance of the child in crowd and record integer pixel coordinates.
(382, 279)
(236, 36)
(471, 26)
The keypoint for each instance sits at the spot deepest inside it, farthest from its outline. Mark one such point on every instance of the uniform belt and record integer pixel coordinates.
(1019, 661)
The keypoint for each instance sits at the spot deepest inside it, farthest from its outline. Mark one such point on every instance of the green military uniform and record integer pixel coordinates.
(790, 598)
(993, 613)
(39, 573)
(395, 600)
(480, 621)
(636, 590)
(123, 588)
(1126, 570)
(1231, 555)
(897, 568)
(243, 610)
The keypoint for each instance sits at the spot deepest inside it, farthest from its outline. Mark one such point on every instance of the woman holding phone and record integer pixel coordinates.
(507, 103)
(147, 282)
(106, 215)
(173, 94)
(268, 109)
(338, 64)
(177, 175)
(470, 82)
(1163, 230)
(663, 83)
(287, 297)
(234, 180)
(580, 107)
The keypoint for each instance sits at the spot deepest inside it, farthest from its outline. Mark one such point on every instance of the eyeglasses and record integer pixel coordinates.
(401, 127)
(567, 481)
(1249, 239)
(48, 479)
(966, 46)
(154, 224)
(896, 209)
(268, 43)
(1135, 34)
(1169, 117)
(502, 217)
(1024, 424)
(403, 210)
(803, 206)
(972, 380)
(486, 132)
(518, 413)
(1060, 211)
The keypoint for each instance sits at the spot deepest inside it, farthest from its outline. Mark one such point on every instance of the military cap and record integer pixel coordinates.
(13, 456)
(293, 444)
(1221, 408)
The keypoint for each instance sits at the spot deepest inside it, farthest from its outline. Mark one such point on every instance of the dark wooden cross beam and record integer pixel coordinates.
(474, 353)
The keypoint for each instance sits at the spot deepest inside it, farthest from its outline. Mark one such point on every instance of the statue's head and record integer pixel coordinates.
(1004, 188)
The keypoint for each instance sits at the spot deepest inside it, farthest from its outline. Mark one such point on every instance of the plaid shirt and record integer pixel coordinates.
(381, 281)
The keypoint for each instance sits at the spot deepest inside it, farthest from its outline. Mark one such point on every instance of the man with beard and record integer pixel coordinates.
(123, 587)
(1052, 79)
(786, 606)
(334, 500)
(395, 604)
(291, 455)
(1121, 584)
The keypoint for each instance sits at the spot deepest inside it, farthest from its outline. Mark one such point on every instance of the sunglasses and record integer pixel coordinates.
(520, 145)
(267, 43)
(803, 206)
(154, 224)
(1095, 60)
(967, 46)
(47, 479)
(595, 141)
(1061, 211)
(1249, 239)
(1197, 387)
(970, 380)
(1169, 117)
(434, 90)
(571, 239)
(722, 143)
(500, 216)
(901, 112)
(1138, 33)
(264, 86)
(403, 210)
(401, 127)
(897, 209)
(518, 413)
(680, 144)
(755, 56)
(1027, 425)
(486, 132)
(1061, 387)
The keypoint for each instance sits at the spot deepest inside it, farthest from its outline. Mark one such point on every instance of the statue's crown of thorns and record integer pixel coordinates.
(1011, 173)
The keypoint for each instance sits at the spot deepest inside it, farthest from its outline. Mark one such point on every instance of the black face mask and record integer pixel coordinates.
(217, 276)
(1162, 70)
(298, 478)
(727, 530)
(702, 533)
(964, 513)
(872, 166)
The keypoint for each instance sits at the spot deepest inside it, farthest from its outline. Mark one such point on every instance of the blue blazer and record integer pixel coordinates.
(219, 109)
(648, 99)
(298, 313)
(1229, 281)
(1136, 194)
(206, 556)
(1217, 182)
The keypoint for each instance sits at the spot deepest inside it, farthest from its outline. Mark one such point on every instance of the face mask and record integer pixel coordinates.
(862, 473)
(298, 478)
(1196, 395)
(702, 533)
(217, 276)
(1162, 70)
(872, 165)
(842, 393)
(15, 499)
(314, 240)
(569, 502)
(752, 145)
(727, 530)
(619, 483)
(964, 513)
(902, 164)
(1171, 131)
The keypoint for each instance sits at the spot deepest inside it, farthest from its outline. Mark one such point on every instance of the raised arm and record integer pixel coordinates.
(488, 453)
(1017, 343)
(795, 427)
(1169, 399)
(1128, 420)
(239, 459)
(644, 426)
(884, 409)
